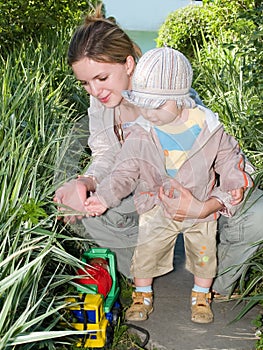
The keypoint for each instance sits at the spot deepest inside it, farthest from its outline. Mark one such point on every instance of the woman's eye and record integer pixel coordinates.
(83, 83)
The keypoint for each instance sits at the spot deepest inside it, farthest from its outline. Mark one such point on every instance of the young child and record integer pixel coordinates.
(177, 139)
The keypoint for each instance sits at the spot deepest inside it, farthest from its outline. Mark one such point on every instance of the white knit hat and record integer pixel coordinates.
(161, 74)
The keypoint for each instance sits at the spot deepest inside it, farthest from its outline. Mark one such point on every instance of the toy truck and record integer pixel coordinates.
(96, 309)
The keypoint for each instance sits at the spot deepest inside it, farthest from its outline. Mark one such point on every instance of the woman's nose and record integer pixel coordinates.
(93, 90)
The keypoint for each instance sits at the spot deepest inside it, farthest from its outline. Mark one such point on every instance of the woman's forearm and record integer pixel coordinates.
(186, 206)
(212, 205)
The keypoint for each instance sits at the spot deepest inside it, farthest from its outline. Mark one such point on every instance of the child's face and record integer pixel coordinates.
(165, 114)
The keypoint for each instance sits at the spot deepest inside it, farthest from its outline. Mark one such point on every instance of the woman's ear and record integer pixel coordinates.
(130, 65)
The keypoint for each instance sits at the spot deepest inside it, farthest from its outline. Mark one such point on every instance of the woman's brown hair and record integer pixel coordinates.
(101, 40)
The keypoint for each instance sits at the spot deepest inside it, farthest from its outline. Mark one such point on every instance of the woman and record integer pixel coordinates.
(103, 58)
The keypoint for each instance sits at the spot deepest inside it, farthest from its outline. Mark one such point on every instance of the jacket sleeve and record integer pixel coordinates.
(102, 141)
(233, 172)
(135, 164)
(123, 178)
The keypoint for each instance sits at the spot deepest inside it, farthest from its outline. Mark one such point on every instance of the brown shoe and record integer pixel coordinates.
(139, 311)
(201, 311)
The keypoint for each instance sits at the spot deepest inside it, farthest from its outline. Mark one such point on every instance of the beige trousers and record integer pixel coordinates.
(154, 253)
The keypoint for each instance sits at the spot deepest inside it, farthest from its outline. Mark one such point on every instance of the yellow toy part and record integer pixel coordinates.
(88, 314)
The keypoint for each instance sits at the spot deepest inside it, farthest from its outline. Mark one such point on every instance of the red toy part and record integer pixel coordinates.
(99, 276)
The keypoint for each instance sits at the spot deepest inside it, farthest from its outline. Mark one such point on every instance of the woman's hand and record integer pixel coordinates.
(185, 205)
(72, 195)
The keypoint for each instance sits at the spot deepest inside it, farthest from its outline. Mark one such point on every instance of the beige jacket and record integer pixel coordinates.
(139, 165)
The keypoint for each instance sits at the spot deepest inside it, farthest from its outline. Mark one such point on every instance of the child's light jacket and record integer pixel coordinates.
(138, 166)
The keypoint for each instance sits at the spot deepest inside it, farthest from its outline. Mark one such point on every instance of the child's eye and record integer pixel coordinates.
(103, 78)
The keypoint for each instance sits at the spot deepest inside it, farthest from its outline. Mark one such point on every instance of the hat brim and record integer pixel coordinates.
(137, 99)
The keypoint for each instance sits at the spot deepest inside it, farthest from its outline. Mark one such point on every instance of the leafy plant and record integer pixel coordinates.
(23, 20)
(258, 323)
(223, 79)
(38, 112)
(188, 26)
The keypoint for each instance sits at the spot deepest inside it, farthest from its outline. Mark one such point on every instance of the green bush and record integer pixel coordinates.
(28, 19)
(191, 24)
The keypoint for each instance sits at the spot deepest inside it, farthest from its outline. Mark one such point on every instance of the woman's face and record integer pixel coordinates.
(105, 81)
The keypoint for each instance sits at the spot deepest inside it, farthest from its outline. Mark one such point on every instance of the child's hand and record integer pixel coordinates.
(94, 206)
(237, 195)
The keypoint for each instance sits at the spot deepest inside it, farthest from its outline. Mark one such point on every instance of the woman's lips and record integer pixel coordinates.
(104, 99)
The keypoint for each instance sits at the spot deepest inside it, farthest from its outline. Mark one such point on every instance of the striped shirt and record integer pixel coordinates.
(178, 140)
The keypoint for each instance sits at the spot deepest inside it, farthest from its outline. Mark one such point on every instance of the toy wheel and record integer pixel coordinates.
(116, 311)
(115, 316)
(109, 337)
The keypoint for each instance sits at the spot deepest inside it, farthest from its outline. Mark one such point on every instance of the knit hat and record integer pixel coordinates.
(161, 74)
